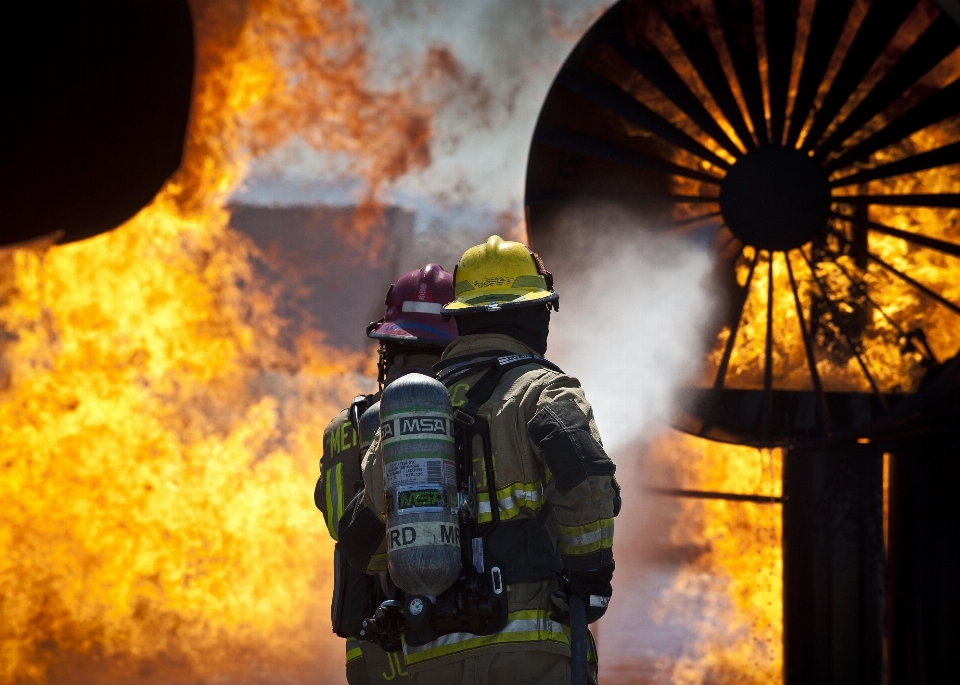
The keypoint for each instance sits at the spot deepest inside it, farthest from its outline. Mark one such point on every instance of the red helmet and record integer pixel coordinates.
(413, 309)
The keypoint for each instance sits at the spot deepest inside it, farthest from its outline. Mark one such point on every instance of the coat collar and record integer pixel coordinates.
(485, 342)
(411, 363)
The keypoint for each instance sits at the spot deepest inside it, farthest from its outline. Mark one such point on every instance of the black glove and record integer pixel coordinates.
(593, 588)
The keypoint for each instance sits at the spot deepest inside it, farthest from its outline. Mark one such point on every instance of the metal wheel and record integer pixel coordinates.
(815, 146)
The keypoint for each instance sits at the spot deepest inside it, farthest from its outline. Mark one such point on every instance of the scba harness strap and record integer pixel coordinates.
(522, 548)
(494, 554)
(355, 594)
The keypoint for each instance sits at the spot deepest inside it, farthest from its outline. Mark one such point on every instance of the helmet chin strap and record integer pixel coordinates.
(382, 365)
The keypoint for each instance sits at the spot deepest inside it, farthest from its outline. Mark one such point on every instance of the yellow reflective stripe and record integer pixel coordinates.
(333, 486)
(340, 503)
(353, 650)
(586, 538)
(529, 625)
(378, 563)
(511, 498)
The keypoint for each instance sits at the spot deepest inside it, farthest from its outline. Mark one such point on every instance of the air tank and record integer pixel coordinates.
(420, 483)
(369, 423)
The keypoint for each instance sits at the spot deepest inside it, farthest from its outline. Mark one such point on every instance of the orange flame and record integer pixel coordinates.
(737, 573)
(160, 431)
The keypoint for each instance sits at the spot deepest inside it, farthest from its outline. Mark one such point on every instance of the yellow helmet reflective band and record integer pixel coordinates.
(499, 274)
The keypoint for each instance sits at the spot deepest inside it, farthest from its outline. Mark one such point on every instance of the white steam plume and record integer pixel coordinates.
(631, 327)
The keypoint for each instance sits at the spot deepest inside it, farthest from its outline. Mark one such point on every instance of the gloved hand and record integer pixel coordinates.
(593, 588)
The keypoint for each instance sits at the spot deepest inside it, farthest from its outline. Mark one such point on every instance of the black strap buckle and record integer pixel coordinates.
(463, 417)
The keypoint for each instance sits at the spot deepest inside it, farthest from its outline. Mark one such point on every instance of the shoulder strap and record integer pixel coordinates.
(499, 365)
(357, 407)
(481, 357)
(467, 421)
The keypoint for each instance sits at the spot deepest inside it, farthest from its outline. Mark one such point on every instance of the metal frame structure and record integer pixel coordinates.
(779, 134)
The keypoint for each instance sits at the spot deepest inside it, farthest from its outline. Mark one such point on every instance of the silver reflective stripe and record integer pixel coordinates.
(511, 500)
(510, 358)
(522, 495)
(421, 307)
(584, 539)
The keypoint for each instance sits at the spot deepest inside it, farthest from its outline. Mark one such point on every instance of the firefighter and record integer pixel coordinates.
(555, 495)
(412, 334)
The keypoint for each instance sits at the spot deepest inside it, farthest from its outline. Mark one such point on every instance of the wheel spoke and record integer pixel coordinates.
(736, 22)
(656, 69)
(917, 239)
(828, 21)
(767, 415)
(699, 50)
(932, 159)
(613, 99)
(938, 41)
(693, 220)
(808, 349)
(916, 284)
(780, 25)
(857, 282)
(562, 197)
(879, 26)
(835, 315)
(940, 105)
(728, 347)
(586, 145)
(940, 200)
(904, 335)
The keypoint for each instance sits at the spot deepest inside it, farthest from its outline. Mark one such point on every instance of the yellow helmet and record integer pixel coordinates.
(497, 275)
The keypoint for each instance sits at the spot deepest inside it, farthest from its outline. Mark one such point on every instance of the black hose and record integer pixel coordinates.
(578, 641)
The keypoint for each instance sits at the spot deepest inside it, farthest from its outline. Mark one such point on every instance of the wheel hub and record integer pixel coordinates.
(775, 198)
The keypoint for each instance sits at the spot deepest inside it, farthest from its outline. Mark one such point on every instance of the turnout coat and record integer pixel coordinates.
(547, 452)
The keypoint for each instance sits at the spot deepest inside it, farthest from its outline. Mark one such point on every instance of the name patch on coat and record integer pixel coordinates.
(423, 533)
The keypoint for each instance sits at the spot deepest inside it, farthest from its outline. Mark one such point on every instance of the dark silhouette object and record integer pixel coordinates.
(95, 102)
(721, 123)
(622, 125)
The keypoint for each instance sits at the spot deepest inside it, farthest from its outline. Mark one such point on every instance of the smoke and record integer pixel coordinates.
(475, 72)
(630, 327)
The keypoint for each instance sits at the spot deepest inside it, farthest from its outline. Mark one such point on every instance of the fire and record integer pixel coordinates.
(851, 306)
(890, 351)
(741, 642)
(701, 601)
(897, 364)
(160, 422)
(735, 578)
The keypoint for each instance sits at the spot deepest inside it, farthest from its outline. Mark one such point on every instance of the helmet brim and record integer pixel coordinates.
(415, 332)
(495, 301)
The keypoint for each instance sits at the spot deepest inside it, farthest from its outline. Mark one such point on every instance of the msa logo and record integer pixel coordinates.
(418, 425)
(423, 425)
